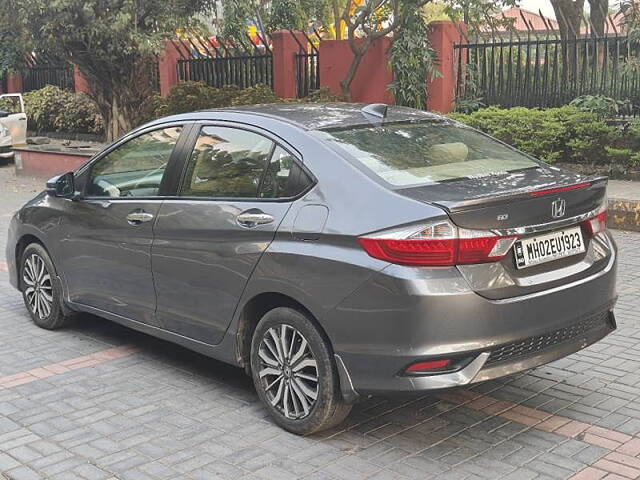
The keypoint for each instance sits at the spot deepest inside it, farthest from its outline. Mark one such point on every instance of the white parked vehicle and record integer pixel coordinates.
(13, 124)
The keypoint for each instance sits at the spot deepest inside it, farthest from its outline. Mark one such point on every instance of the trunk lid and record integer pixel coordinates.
(522, 202)
(513, 200)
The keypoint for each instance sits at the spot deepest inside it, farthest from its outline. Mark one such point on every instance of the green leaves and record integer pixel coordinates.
(564, 134)
(52, 109)
(601, 105)
(113, 43)
(193, 96)
(12, 44)
(412, 60)
(286, 14)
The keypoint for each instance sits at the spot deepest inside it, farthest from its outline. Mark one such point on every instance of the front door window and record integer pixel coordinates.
(134, 169)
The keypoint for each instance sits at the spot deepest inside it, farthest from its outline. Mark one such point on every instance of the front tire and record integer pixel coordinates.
(294, 373)
(40, 291)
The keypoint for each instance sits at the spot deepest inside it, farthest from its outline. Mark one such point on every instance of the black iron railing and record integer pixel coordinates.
(548, 71)
(307, 62)
(43, 70)
(307, 73)
(219, 62)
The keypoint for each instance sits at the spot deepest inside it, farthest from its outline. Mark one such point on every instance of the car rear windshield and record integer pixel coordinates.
(407, 154)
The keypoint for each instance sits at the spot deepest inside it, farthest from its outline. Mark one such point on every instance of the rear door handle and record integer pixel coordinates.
(139, 216)
(253, 219)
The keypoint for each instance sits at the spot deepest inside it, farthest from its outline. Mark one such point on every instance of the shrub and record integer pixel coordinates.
(604, 107)
(556, 134)
(322, 95)
(192, 96)
(255, 95)
(52, 109)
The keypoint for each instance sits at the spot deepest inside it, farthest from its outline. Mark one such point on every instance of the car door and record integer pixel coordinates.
(106, 254)
(237, 187)
(13, 117)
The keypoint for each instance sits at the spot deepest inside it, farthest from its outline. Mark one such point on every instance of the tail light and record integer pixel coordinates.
(597, 223)
(438, 244)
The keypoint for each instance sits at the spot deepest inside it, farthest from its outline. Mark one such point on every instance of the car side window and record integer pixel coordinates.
(134, 169)
(284, 178)
(226, 162)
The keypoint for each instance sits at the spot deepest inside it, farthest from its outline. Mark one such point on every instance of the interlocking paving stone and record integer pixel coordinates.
(164, 412)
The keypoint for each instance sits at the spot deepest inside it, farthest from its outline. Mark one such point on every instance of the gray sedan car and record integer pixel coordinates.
(333, 251)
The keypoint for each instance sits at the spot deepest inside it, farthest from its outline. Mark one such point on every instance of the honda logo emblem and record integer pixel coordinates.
(558, 208)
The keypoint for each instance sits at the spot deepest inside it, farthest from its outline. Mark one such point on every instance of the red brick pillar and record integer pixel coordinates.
(81, 84)
(284, 47)
(168, 68)
(442, 90)
(14, 83)
(372, 79)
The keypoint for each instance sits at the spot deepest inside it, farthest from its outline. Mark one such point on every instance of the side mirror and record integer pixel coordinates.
(4, 114)
(62, 186)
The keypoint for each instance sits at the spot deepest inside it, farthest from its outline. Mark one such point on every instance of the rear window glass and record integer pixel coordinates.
(405, 154)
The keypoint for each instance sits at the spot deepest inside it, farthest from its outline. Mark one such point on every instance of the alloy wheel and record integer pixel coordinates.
(38, 287)
(288, 371)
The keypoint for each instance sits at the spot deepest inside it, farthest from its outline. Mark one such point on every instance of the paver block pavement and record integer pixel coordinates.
(97, 401)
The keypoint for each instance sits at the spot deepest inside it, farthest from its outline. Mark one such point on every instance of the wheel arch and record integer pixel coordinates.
(255, 308)
(21, 245)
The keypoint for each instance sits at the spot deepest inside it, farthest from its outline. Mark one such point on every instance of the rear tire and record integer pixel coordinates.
(40, 290)
(295, 374)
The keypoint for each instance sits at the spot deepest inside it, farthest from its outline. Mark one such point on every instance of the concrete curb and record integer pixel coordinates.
(624, 214)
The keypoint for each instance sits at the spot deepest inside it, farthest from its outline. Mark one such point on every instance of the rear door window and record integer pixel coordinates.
(228, 162)
(284, 177)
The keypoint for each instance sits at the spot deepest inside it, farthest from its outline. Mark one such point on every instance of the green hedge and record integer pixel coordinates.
(193, 96)
(52, 109)
(564, 134)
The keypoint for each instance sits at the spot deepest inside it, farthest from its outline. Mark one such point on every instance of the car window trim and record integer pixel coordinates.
(196, 127)
(174, 160)
(272, 150)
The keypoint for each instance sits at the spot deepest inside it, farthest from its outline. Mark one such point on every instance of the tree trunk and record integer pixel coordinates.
(599, 9)
(120, 96)
(121, 119)
(337, 20)
(358, 50)
(569, 16)
(358, 55)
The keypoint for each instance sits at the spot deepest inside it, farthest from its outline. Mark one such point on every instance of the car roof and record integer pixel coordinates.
(314, 116)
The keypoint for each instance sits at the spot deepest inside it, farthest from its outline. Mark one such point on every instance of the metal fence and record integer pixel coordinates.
(219, 62)
(42, 70)
(548, 71)
(307, 62)
(154, 74)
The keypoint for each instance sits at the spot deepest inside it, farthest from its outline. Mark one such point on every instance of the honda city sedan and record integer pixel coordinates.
(333, 251)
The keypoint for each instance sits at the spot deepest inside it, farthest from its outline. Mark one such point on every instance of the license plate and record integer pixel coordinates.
(548, 247)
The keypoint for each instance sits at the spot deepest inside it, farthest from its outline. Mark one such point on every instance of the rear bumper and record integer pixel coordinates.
(403, 315)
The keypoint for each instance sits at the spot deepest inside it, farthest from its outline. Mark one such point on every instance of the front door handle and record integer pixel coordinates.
(253, 219)
(139, 216)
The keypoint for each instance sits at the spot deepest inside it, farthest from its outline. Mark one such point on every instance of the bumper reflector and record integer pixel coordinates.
(429, 366)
